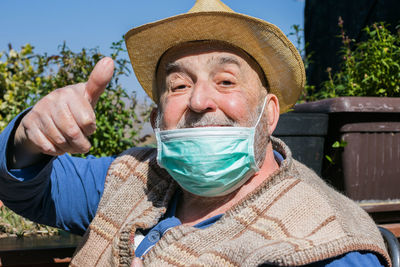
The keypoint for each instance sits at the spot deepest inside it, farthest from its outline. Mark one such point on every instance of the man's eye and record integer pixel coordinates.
(226, 83)
(179, 87)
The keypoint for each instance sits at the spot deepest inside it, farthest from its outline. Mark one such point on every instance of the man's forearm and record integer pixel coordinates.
(29, 190)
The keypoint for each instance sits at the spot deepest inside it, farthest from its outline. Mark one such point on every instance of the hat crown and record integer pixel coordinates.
(209, 5)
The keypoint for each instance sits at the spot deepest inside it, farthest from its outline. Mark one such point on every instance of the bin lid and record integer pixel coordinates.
(351, 104)
(371, 127)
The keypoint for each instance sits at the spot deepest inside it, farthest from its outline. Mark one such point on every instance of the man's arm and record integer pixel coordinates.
(354, 258)
(351, 259)
(61, 191)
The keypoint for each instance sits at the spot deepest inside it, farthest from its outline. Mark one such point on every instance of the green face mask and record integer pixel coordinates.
(208, 161)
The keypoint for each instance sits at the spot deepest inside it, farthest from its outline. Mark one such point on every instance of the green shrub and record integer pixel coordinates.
(25, 77)
(12, 224)
(371, 68)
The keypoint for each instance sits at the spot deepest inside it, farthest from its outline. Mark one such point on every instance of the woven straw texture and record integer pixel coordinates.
(213, 20)
(292, 219)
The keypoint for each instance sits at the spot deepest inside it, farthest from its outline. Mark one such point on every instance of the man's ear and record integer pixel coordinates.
(153, 117)
(273, 112)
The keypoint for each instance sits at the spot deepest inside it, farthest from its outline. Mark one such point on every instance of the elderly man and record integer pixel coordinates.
(219, 190)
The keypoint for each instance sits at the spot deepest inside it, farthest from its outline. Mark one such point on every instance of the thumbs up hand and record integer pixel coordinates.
(62, 120)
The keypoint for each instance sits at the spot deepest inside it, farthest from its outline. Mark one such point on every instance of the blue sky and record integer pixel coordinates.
(97, 23)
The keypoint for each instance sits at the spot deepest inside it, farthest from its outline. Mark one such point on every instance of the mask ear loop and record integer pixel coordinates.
(157, 129)
(262, 112)
(257, 168)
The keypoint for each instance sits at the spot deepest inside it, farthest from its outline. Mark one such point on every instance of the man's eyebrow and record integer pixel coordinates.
(227, 60)
(173, 67)
(177, 67)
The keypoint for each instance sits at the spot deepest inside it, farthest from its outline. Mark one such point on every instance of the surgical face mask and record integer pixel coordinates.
(208, 161)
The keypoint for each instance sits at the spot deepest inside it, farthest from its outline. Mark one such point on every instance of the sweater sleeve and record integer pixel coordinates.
(59, 191)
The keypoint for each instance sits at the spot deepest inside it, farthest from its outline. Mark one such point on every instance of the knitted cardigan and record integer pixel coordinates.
(292, 219)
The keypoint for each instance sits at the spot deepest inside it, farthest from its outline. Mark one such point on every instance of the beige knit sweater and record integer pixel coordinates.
(293, 218)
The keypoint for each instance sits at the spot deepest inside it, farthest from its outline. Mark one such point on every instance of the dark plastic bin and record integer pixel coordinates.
(368, 167)
(305, 134)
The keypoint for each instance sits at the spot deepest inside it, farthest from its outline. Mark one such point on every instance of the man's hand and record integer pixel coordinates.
(61, 121)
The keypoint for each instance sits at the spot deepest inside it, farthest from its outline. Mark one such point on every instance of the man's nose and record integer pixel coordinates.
(202, 98)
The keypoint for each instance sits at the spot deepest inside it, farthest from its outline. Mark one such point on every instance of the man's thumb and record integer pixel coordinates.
(98, 79)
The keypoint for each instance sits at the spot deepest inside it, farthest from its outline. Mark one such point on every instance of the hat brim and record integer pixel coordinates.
(276, 55)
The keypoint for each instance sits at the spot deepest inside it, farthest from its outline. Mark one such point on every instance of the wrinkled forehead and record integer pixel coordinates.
(202, 47)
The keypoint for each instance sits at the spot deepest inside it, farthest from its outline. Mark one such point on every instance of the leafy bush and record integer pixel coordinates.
(25, 77)
(372, 68)
(12, 224)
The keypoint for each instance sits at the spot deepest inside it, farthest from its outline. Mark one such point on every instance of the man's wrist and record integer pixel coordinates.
(20, 157)
(18, 153)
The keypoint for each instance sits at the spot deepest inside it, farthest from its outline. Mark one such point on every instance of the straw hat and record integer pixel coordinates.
(213, 20)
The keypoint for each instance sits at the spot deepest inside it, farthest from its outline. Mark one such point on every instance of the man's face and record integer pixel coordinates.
(208, 85)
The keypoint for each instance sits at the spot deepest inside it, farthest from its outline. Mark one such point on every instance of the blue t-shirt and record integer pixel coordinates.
(65, 192)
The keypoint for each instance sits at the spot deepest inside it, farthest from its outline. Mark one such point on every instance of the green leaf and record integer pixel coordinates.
(340, 144)
(336, 144)
(329, 159)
